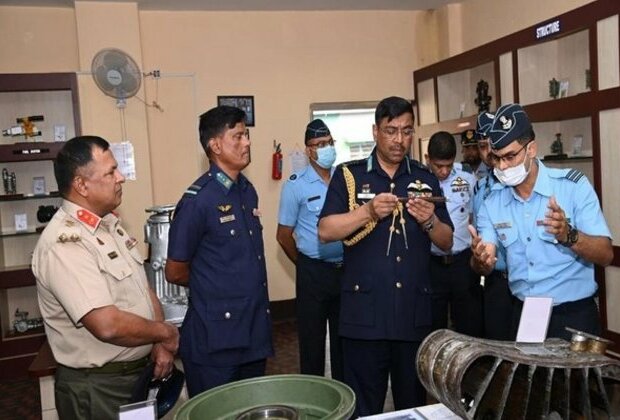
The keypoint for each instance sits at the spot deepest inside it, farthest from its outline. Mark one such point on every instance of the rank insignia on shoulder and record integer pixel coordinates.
(62, 238)
(112, 255)
(224, 208)
(574, 175)
(193, 189)
(502, 225)
(69, 223)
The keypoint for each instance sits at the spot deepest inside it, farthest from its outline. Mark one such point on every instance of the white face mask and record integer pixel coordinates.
(515, 175)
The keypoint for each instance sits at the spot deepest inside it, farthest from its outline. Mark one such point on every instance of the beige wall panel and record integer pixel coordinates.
(37, 40)
(286, 60)
(610, 156)
(612, 291)
(485, 20)
(608, 56)
(104, 25)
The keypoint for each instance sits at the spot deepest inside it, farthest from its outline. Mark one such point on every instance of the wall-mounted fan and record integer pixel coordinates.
(116, 74)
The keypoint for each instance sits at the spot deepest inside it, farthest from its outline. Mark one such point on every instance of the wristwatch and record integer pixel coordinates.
(571, 237)
(427, 227)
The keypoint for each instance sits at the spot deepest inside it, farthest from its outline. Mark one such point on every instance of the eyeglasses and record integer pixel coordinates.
(508, 158)
(321, 144)
(392, 132)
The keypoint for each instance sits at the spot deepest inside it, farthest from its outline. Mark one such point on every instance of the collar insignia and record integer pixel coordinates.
(87, 217)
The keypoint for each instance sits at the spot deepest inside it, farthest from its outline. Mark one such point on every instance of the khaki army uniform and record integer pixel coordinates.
(83, 262)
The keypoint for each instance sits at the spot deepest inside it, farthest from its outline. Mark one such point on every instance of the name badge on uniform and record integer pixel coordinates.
(502, 225)
(228, 218)
(365, 194)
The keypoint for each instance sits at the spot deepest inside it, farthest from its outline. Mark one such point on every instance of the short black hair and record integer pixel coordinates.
(442, 146)
(75, 153)
(216, 120)
(392, 107)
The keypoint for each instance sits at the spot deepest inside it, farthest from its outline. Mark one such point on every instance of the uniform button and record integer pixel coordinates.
(264, 284)
(529, 239)
(398, 259)
(232, 232)
(462, 209)
(398, 285)
(268, 311)
(243, 206)
(250, 231)
(356, 287)
(397, 232)
(260, 258)
(531, 264)
(227, 315)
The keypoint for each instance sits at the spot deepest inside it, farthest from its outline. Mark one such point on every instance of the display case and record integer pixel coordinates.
(28, 197)
(565, 71)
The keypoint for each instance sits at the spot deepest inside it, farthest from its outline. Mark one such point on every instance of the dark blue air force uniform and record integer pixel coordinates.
(226, 334)
(385, 299)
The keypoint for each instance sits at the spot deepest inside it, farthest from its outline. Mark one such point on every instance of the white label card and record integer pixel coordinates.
(534, 320)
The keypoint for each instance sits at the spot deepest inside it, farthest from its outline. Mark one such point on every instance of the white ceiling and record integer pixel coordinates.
(255, 4)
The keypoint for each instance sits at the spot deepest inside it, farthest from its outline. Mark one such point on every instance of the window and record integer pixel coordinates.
(350, 124)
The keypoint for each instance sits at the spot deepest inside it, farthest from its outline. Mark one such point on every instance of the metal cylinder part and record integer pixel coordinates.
(172, 297)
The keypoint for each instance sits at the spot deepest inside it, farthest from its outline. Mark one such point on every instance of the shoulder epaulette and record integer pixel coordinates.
(573, 175)
(355, 162)
(68, 232)
(466, 168)
(416, 163)
(198, 185)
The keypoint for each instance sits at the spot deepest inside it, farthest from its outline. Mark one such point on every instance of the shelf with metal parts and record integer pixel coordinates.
(50, 100)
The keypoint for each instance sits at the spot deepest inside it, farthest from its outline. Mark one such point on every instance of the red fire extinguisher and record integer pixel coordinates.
(276, 161)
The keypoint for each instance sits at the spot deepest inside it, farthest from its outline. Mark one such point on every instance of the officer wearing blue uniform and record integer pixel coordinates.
(497, 299)
(550, 223)
(471, 153)
(455, 286)
(380, 208)
(216, 247)
(318, 266)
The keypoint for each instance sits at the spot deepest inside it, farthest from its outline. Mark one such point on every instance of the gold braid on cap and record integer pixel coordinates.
(350, 182)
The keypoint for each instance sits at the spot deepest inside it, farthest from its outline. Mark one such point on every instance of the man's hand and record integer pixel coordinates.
(163, 360)
(483, 253)
(555, 221)
(171, 343)
(382, 205)
(420, 209)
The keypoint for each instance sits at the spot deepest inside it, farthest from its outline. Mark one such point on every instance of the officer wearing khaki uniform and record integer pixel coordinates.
(101, 318)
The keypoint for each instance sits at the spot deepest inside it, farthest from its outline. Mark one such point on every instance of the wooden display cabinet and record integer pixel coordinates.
(55, 97)
(580, 49)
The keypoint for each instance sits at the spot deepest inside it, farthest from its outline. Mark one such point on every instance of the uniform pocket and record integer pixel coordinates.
(357, 303)
(507, 236)
(120, 271)
(228, 323)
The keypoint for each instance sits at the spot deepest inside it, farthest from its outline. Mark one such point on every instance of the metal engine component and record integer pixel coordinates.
(173, 297)
(487, 379)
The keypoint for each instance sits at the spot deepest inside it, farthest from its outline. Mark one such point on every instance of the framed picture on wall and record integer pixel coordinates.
(564, 88)
(245, 103)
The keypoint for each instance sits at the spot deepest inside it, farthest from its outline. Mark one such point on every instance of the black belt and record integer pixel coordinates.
(449, 259)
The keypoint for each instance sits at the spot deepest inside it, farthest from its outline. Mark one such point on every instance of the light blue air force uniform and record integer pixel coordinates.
(484, 187)
(458, 188)
(301, 202)
(537, 264)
